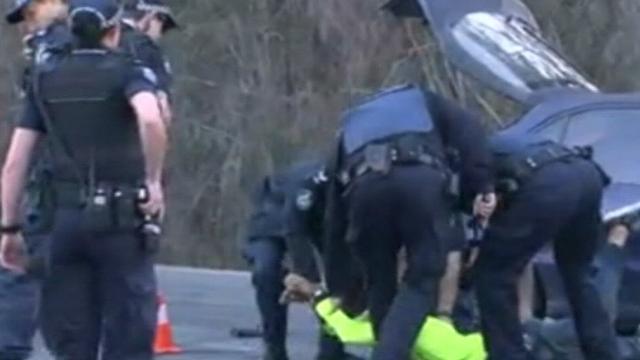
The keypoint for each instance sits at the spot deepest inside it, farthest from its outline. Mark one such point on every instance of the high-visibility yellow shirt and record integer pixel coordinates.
(437, 340)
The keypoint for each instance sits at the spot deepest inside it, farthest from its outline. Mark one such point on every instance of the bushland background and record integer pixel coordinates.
(259, 83)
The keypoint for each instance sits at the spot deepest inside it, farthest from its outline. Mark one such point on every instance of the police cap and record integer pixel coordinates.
(15, 15)
(405, 9)
(162, 9)
(108, 12)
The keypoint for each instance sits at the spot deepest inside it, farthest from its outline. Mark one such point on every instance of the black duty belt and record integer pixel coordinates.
(547, 155)
(73, 194)
(69, 194)
(519, 169)
(381, 157)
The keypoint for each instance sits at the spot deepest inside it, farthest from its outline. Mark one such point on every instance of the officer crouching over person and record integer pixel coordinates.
(99, 113)
(548, 194)
(345, 316)
(42, 23)
(275, 230)
(393, 190)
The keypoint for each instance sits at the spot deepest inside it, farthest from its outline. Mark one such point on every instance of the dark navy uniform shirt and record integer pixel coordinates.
(306, 217)
(289, 206)
(305, 210)
(267, 219)
(45, 46)
(273, 201)
(54, 40)
(42, 47)
(143, 49)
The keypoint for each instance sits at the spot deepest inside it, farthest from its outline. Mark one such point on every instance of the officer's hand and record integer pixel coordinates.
(618, 235)
(484, 205)
(13, 253)
(155, 204)
(298, 289)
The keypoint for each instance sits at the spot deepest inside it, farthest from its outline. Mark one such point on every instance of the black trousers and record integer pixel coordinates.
(559, 204)
(266, 255)
(20, 295)
(100, 293)
(406, 208)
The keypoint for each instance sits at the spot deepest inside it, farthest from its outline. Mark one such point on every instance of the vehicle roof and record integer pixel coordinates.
(556, 102)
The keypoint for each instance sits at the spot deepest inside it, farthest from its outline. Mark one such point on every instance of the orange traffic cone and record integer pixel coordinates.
(164, 343)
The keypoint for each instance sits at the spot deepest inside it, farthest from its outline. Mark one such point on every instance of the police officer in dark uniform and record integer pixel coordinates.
(99, 112)
(46, 37)
(47, 33)
(265, 251)
(143, 25)
(393, 180)
(305, 215)
(279, 224)
(549, 194)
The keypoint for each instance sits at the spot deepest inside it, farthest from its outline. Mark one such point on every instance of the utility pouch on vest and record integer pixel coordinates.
(125, 204)
(378, 158)
(99, 211)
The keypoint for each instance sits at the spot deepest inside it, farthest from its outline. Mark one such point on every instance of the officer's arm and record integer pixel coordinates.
(463, 131)
(140, 88)
(153, 133)
(14, 173)
(152, 57)
(299, 240)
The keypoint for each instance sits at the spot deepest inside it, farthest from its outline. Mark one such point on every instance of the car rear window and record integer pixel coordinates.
(615, 138)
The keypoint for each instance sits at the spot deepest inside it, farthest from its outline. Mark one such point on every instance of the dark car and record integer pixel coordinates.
(499, 43)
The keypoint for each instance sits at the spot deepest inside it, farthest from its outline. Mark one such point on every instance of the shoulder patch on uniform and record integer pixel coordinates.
(150, 75)
(320, 177)
(304, 199)
(41, 55)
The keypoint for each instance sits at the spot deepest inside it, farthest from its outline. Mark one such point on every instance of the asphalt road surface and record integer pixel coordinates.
(205, 305)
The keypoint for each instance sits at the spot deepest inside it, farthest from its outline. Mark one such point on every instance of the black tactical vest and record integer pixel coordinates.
(389, 113)
(84, 96)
